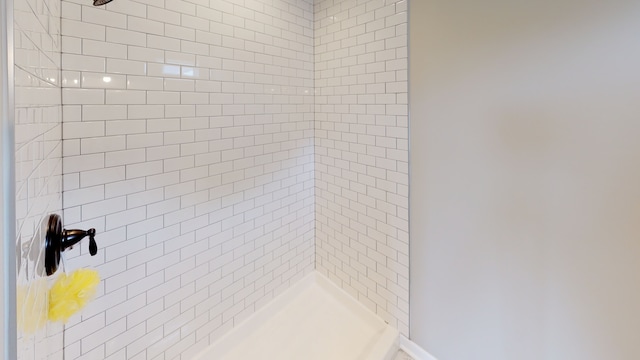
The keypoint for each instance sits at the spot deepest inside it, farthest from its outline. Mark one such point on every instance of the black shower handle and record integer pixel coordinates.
(93, 247)
(72, 237)
(58, 240)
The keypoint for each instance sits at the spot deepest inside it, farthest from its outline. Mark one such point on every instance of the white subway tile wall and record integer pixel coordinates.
(188, 144)
(361, 152)
(38, 125)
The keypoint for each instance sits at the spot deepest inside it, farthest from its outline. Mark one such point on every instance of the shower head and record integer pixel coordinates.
(100, 2)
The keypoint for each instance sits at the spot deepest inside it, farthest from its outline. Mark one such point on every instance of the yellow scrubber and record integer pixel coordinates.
(71, 293)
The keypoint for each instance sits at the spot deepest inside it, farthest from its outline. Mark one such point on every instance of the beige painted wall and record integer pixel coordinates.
(525, 179)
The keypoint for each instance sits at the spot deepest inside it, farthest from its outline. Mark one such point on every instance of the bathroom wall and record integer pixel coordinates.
(525, 166)
(362, 152)
(38, 157)
(188, 144)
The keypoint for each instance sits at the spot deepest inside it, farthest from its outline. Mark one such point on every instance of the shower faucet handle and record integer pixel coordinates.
(93, 247)
(72, 237)
(58, 240)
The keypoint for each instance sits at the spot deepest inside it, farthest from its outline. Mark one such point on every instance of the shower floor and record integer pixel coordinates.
(314, 320)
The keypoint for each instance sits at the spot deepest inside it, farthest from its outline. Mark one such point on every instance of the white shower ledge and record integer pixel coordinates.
(313, 320)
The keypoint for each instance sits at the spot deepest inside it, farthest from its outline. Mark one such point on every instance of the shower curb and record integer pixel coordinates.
(385, 348)
(414, 350)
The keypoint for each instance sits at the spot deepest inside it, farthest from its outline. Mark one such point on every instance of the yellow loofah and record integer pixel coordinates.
(71, 293)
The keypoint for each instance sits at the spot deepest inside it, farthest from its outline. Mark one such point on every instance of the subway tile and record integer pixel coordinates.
(123, 218)
(101, 144)
(89, 326)
(131, 8)
(101, 176)
(71, 46)
(128, 67)
(144, 26)
(71, 11)
(163, 97)
(92, 15)
(83, 196)
(163, 43)
(144, 140)
(163, 15)
(145, 111)
(180, 58)
(124, 187)
(83, 163)
(83, 63)
(179, 32)
(102, 81)
(179, 84)
(71, 79)
(162, 152)
(125, 127)
(245, 118)
(120, 97)
(126, 37)
(145, 54)
(365, 76)
(123, 157)
(144, 169)
(103, 112)
(80, 29)
(144, 83)
(76, 130)
(182, 7)
(102, 208)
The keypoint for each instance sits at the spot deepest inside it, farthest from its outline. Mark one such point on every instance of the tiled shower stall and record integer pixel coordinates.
(222, 149)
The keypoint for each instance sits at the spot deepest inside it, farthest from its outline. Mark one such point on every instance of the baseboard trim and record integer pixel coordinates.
(414, 350)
